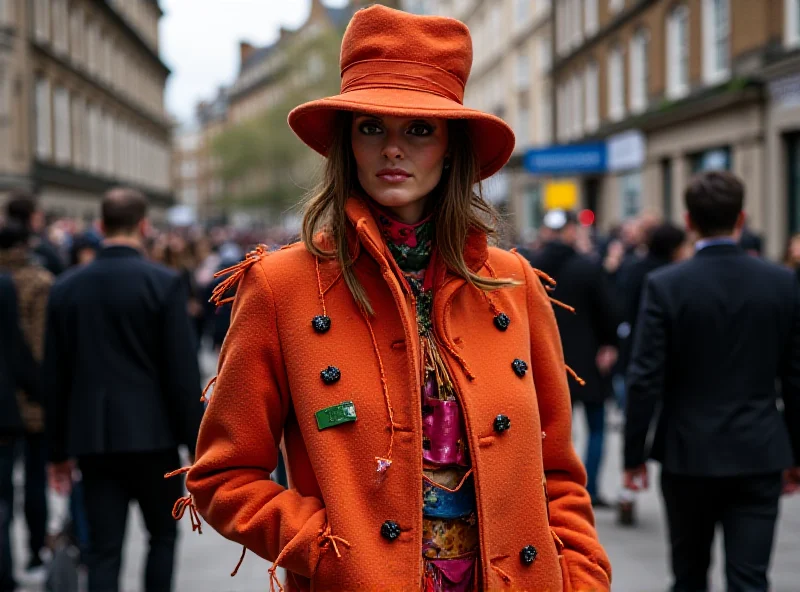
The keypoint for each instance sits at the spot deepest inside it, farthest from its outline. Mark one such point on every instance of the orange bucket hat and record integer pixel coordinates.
(405, 65)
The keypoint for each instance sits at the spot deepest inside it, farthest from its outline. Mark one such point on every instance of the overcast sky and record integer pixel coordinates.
(200, 42)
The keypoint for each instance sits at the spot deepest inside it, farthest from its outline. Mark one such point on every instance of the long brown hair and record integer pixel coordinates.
(459, 207)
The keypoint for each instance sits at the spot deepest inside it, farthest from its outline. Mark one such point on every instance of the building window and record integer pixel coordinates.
(678, 52)
(544, 54)
(78, 153)
(590, 17)
(616, 85)
(793, 173)
(591, 109)
(63, 129)
(41, 15)
(94, 138)
(544, 128)
(521, 12)
(44, 120)
(666, 188)
(523, 70)
(715, 159)
(5, 11)
(639, 71)
(523, 125)
(615, 5)
(76, 34)
(576, 22)
(630, 194)
(60, 26)
(716, 35)
(561, 112)
(577, 106)
(792, 22)
(92, 43)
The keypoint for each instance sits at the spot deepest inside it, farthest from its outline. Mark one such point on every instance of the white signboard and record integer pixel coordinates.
(625, 151)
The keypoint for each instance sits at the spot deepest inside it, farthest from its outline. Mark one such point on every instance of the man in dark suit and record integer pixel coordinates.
(714, 336)
(17, 370)
(123, 389)
(589, 335)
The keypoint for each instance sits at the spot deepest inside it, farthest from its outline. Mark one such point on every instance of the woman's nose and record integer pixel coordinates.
(392, 149)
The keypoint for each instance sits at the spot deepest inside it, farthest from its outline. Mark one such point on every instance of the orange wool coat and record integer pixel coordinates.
(326, 529)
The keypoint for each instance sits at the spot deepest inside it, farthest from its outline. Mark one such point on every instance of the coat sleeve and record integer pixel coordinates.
(571, 516)
(180, 371)
(57, 373)
(238, 444)
(646, 374)
(790, 377)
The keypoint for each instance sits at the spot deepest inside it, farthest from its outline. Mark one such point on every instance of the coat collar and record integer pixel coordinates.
(118, 251)
(367, 233)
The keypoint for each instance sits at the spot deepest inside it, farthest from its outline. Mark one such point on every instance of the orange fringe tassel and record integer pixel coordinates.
(273, 579)
(180, 471)
(211, 383)
(241, 560)
(545, 277)
(574, 375)
(562, 305)
(330, 539)
(383, 462)
(236, 272)
(179, 509)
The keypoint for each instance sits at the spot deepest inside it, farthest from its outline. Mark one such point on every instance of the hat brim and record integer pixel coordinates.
(314, 122)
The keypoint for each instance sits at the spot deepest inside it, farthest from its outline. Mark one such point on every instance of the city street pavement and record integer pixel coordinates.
(638, 555)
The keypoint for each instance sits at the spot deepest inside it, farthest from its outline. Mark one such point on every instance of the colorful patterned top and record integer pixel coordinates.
(450, 528)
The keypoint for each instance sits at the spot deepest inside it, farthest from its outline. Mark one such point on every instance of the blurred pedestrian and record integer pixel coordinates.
(84, 249)
(22, 209)
(32, 283)
(791, 257)
(408, 368)
(589, 337)
(18, 370)
(123, 391)
(714, 335)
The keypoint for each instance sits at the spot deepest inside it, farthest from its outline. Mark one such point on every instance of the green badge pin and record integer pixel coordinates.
(336, 415)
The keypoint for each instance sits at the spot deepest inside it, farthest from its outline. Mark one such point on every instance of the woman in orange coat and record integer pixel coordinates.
(414, 373)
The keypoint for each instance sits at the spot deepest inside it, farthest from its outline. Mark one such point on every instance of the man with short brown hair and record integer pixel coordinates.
(124, 391)
(714, 335)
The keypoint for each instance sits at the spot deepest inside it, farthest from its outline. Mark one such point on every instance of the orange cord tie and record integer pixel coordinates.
(212, 382)
(273, 579)
(241, 560)
(500, 572)
(330, 539)
(236, 271)
(179, 509)
(574, 375)
(383, 462)
(321, 292)
(562, 305)
(449, 347)
(181, 471)
(545, 277)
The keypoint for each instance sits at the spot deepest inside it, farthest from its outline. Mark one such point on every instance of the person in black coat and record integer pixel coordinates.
(665, 245)
(715, 334)
(23, 209)
(17, 370)
(123, 391)
(589, 335)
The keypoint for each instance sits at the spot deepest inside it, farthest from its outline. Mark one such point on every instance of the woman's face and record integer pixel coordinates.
(399, 160)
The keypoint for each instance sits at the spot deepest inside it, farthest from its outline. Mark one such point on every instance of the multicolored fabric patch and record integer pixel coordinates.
(445, 538)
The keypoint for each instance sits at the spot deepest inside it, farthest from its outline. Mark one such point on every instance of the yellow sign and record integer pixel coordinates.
(560, 195)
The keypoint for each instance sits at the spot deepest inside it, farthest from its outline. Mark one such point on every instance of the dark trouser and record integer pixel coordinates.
(110, 482)
(747, 508)
(36, 491)
(596, 422)
(6, 513)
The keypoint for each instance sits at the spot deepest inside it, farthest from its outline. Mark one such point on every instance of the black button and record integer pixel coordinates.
(321, 323)
(501, 321)
(528, 555)
(520, 367)
(501, 423)
(330, 375)
(390, 530)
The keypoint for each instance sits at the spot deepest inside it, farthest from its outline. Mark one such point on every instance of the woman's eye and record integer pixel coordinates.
(420, 129)
(369, 129)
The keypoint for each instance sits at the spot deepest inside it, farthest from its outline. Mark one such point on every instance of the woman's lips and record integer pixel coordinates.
(393, 176)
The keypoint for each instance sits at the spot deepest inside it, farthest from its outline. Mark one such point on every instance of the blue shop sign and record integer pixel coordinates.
(590, 157)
